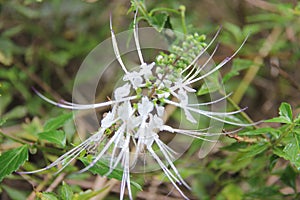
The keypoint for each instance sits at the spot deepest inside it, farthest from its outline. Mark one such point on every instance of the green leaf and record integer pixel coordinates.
(55, 136)
(235, 146)
(158, 21)
(266, 192)
(297, 120)
(60, 58)
(57, 122)
(2, 121)
(280, 119)
(46, 196)
(10, 32)
(30, 13)
(15, 193)
(289, 177)
(11, 160)
(87, 195)
(234, 29)
(259, 131)
(232, 192)
(253, 150)
(237, 66)
(16, 113)
(65, 192)
(273, 160)
(285, 110)
(102, 167)
(290, 152)
(285, 114)
(211, 84)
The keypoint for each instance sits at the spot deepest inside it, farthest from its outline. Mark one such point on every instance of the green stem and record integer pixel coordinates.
(285, 133)
(243, 114)
(14, 139)
(182, 11)
(142, 9)
(236, 106)
(164, 9)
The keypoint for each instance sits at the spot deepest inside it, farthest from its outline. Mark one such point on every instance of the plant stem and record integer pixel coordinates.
(285, 133)
(14, 139)
(243, 114)
(182, 11)
(164, 9)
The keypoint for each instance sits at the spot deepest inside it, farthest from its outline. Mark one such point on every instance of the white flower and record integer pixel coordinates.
(156, 122)
(109, 119)
(145, 107)
(122, 92)
(133, 118)
(133, 122)
(183, 98)
(135, 79)
(146, 70)
(160, 110)
(125, 111)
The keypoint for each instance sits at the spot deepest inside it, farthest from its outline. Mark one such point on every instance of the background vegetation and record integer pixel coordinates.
(42, 44)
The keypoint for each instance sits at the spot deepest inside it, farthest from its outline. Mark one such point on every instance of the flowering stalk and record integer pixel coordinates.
(133, 125)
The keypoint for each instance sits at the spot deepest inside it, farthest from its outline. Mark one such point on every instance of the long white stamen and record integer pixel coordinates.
(84, 106)
(122, 153)
(123, 184)
(170, 176)
(202, 51)
(121, 129)
(211, 102)
(166, 154)
(112, 160)
(196, 133)
(69, 155)
(126, 172)
(225, 61)
(204, 65)
(136, 37)
(127, 155)
(115, 46)
(205, 113)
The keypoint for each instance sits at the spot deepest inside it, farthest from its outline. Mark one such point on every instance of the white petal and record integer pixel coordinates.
(122, 92)
(134, 122)
(183, 97)
(189, 89)
(135, 79)
(124, 111)
(160, 110)
(145, 107)
(109, 119)
(189, 116)
(163, 95)
(156, 122)
(146, 70)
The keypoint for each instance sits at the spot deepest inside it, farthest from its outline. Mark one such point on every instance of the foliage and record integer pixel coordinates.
(43, 43)
(11, 160)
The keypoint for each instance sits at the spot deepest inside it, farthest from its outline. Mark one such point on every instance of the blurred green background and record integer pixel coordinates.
(42, 44)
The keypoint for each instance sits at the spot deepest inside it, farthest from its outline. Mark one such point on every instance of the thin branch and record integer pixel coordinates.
(56, 182)
(288, 77)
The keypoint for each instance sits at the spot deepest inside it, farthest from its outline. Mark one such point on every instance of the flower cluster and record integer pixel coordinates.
(138, 109)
